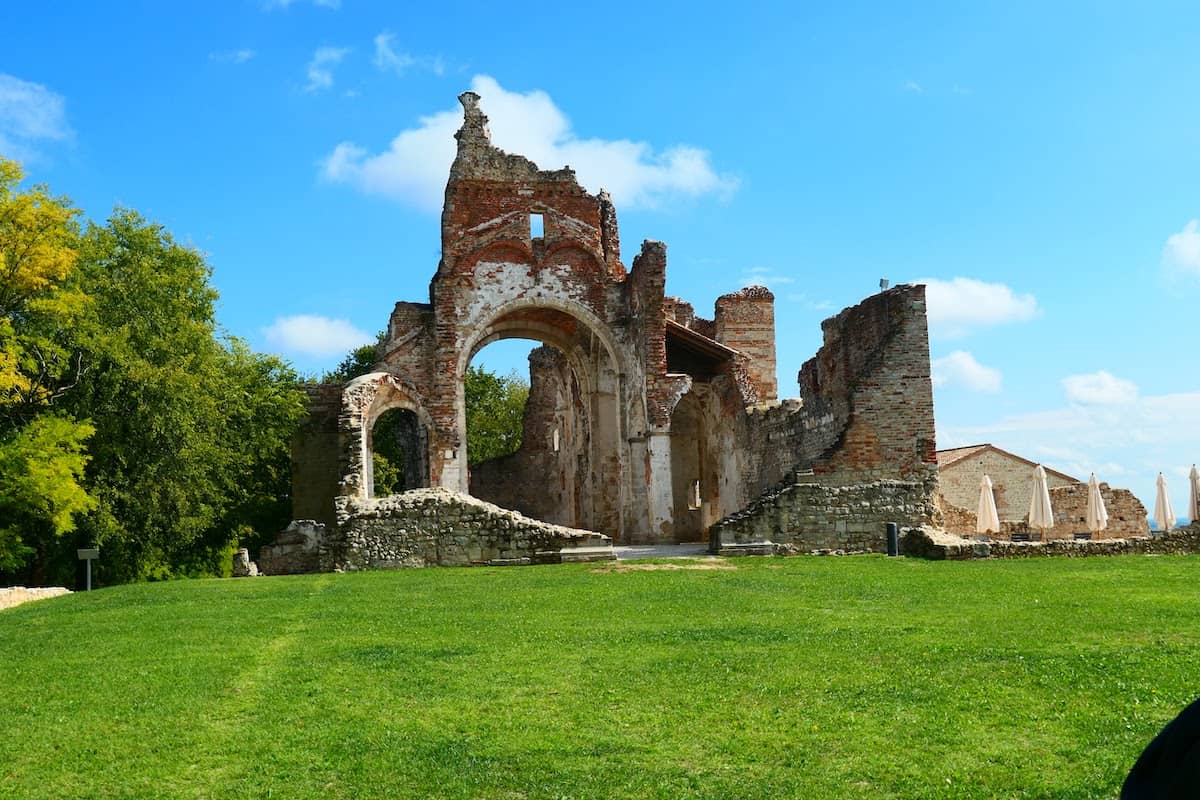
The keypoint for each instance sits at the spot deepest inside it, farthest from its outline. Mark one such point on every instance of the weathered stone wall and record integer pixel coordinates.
(938, 545)
(295, 551)
(1012, 482)
(427, 527)
(806, 517)
(1126, 516)
(315, 455)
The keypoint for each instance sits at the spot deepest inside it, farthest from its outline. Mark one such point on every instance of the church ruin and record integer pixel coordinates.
(646, 423)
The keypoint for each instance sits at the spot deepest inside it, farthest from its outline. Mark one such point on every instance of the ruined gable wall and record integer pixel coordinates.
(857, 451)
(1012, 482)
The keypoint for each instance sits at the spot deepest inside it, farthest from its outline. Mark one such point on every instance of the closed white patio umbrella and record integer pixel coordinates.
(986, 518)
(1163, 514)
(1041, 516)
(1097, 514)
(1194, 503)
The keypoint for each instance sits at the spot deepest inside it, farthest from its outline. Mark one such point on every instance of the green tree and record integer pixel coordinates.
(41, 454)
(495, 406)
(359, 361)
(192, 431)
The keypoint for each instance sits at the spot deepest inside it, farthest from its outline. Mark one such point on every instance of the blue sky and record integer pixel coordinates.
(1038, 163)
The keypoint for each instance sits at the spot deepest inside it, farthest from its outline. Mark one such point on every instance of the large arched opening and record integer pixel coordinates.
(568, 468)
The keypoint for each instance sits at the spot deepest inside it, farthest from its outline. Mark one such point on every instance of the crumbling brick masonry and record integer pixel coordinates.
(646, 423)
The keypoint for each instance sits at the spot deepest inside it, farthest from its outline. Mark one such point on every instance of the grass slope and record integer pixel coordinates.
(803, 677)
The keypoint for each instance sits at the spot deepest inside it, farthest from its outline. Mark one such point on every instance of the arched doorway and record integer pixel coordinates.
(573, 434)
(380, 404)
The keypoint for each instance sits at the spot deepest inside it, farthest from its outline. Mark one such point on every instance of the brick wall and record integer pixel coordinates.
(745, 321)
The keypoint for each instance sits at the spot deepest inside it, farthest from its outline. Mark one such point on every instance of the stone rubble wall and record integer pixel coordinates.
(809, 517)
(428, 527)
(295, 551)
(938, 545)
(16, 595)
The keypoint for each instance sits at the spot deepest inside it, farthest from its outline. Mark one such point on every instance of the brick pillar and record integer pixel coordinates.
(745, 321)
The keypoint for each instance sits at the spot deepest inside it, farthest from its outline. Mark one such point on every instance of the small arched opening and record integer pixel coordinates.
(399, 447)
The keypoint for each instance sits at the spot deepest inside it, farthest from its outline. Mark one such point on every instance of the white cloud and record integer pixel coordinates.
(1130, 442)
(1182, 250)
(316, 336)
(320, 68)
(808, 302)
(388, 59)
(413, 169)
(961, 369)
(914, 87)
(232, 56)
(1099, 388)
(765, 276)
(271, 5)
(29, 113)
(959, 306)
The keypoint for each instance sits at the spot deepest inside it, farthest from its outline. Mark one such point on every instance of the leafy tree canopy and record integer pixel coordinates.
(495, 406)
(42, 456)
(125, 414)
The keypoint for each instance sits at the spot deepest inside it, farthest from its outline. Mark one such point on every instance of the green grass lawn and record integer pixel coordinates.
(804, 677)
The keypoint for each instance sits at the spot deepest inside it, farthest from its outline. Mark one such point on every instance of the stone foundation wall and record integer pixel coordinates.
(807, 517)
(427, 527)
(939, 545)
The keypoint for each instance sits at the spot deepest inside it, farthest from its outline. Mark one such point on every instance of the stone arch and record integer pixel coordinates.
(503, 251)
(364, 399)
(571, 254)
(588, 347)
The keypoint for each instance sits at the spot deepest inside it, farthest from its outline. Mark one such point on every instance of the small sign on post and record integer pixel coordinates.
(89, 555)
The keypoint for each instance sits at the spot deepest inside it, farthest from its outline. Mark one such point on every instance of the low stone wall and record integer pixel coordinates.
(938, 545)
(813, 517)
(427, 527)
(295, 551)
(16, 595)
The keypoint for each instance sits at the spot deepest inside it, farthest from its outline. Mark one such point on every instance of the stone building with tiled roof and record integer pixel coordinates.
(959, 473)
